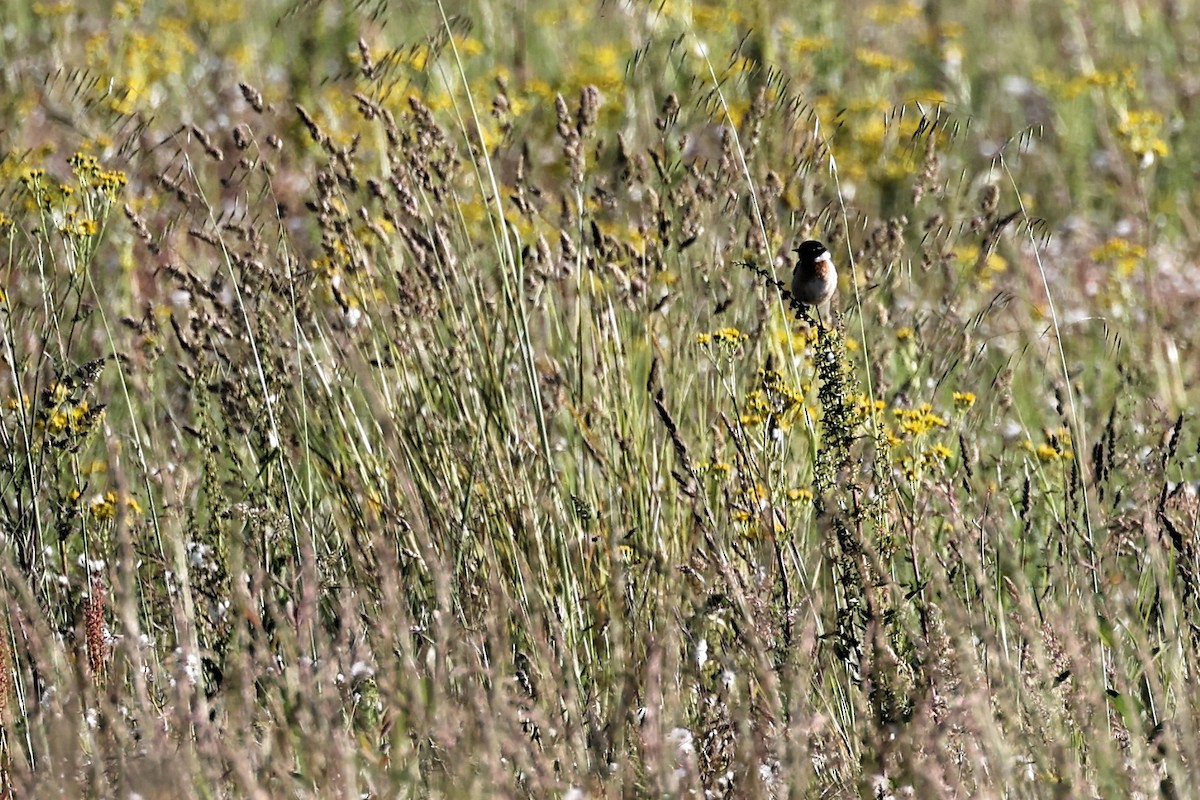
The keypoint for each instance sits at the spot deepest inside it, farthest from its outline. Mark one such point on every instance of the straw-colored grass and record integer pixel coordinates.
(403, 400)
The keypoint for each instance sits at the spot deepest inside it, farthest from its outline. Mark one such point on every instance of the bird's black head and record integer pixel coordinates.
(810, 251)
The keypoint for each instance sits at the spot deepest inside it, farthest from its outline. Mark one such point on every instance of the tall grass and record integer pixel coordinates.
(404, 400)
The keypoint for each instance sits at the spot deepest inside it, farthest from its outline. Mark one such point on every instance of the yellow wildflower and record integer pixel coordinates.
(964, 400)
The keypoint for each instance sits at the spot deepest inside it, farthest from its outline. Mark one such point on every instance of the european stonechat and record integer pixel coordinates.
(815, 278)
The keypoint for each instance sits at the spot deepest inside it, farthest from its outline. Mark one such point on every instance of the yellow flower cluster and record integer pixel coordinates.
(105, 506)
(964, 400)
(920, 420)
(914, 454)
(79, 227)
(149, 58)
(914, 466)
(779, 393)
(1126, 255)
(1141, 133)
(1139, 130)
(107, 183)
(807, 45)
(728, 338)
(994, 264)
(75, 214)
(863, 407)
(1055, 446)
(64, 417)
(775, 398)
(800, 495)
(755, 408)
(754, 506)
(881, 61)
(1068, 88)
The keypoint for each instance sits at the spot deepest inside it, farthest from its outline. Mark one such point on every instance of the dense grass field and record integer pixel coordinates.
(398, 399)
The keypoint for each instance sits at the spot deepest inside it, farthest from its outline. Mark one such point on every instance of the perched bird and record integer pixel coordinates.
(815, 278)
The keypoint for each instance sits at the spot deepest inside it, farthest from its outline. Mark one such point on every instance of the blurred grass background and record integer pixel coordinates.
(396, 400)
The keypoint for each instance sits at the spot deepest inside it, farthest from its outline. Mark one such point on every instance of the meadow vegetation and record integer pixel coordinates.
(398, 399)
